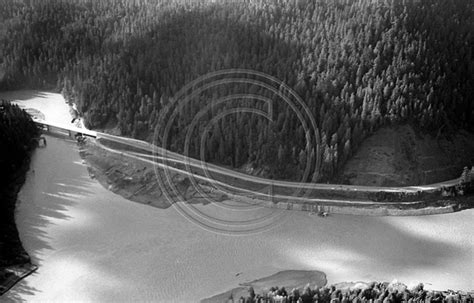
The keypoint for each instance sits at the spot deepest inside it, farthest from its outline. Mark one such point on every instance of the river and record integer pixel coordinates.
(94, 246)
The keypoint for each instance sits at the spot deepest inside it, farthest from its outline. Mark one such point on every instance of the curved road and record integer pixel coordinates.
(195, 168)
(169, 156)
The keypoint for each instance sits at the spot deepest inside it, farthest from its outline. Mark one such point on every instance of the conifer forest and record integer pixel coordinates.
(357, 65)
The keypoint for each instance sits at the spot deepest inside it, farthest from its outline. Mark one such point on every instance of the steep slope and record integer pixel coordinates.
(400, 156)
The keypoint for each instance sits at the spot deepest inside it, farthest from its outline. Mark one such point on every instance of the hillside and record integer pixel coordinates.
(357, 66)
(400, 156)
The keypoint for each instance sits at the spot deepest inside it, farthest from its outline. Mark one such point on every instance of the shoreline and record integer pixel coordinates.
(128, 199)
(286, 278)
(135, 180)
(15, 262)
(213, 291)
(11, 194)
(300, 279)
(17, 265)
(131, 184)
(15, 274)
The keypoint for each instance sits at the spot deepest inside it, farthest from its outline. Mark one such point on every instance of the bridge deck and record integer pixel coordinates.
(66, 127)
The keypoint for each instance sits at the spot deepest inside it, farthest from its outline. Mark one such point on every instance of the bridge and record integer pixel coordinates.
(238, 184)
(175, 160)
(69, 128)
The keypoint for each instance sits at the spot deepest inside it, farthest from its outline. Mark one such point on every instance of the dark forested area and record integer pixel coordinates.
(17, 134)
(358, 65)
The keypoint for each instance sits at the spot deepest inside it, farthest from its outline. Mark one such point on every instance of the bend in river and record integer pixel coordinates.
(92, 245)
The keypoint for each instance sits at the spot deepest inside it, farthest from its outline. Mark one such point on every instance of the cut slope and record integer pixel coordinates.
(398, 156)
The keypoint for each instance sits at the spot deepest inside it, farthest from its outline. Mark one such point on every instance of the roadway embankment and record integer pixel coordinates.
(367, 208)
(139, 173)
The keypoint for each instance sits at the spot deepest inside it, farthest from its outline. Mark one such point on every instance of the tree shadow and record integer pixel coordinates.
(22, 95)
(54, 176)
(16, 293)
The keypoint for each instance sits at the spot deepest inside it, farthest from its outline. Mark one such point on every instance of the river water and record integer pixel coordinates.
(94, 246)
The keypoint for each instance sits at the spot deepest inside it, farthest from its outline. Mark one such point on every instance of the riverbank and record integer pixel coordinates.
(93, 245)
(289, 279)
(135, 178)
(310, 286)
(17, 141)
(12, 251)
(15, 263)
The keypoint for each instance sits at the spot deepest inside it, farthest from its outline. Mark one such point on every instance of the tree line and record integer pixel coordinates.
(17, 133)
(17, 139)
(357, 65)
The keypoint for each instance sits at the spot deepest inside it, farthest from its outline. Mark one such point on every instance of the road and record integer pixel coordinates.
(169, 156)
(237, 182)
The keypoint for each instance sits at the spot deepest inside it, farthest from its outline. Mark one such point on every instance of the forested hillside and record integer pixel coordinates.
(358, 65)
(18, 135)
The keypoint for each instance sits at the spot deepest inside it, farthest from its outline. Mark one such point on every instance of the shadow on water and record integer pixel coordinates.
(382, 241)
(22, 95)
(380, 245)
(397, 244)
(55, 177)
(18, 291)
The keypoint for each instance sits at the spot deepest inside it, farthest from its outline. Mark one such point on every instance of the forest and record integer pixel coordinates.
(17, 140)
(357, 65)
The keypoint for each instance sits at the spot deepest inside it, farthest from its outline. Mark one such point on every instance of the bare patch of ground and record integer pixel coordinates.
(136, 180)
(399, 156)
